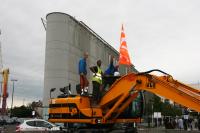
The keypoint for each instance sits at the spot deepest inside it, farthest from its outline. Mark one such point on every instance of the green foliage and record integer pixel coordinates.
(22, 111)
(165, 108)
(157, 104)
(148, 109)
(171, 110)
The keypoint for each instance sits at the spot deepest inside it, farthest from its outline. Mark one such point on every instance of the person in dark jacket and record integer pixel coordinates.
(110, 74)
(97, 81)
(83, 74)
(111, 68)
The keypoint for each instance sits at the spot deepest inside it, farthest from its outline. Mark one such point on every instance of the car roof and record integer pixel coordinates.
(35, 119)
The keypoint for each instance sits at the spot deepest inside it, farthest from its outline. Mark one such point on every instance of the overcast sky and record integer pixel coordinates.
(163, 34)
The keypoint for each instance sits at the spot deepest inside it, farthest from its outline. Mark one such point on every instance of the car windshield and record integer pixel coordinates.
(31, 123)
(43, 124)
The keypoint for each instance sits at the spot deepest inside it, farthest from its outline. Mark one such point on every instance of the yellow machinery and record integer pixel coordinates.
(117, 104)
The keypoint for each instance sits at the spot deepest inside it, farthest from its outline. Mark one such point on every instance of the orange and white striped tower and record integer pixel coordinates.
(124, 58)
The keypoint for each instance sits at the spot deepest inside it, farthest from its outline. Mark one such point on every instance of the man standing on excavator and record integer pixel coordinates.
(83, 74)
(111, 68)
(97, 80)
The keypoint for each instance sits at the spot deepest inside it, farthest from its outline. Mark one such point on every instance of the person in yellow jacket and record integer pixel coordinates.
(97, 80)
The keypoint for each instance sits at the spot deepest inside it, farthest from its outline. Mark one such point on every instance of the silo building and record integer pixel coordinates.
(66, 41)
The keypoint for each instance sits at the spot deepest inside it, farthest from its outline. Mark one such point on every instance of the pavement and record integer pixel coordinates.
(11, 129)
(163, 130)
(8, 129)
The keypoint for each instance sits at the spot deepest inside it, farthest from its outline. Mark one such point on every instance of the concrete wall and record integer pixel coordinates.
(66, 40)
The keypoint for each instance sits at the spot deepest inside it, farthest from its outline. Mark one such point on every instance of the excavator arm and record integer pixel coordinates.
(169, 88)
(126, 89)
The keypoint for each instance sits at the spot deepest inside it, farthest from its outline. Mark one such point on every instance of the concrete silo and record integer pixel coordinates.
(66, 40)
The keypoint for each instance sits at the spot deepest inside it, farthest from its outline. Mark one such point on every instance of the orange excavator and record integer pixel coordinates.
(122, 103)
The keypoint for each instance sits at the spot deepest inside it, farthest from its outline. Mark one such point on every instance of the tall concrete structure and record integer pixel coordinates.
(66, 40)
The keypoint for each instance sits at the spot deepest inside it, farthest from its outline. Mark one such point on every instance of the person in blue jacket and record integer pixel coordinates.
(109, 73)
(83, 74)
(110, 70)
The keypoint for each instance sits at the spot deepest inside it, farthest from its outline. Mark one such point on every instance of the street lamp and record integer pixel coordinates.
(13, 80)
(52, 90)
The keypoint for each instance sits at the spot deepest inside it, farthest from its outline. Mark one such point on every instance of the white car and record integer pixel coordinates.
(35, 125)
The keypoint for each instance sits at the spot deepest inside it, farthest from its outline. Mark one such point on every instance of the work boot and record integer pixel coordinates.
(85, 91)
(82, 92)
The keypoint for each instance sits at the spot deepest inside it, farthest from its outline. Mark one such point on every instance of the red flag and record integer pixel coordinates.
(123, 51)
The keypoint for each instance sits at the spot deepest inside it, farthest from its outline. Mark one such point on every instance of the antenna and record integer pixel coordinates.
(1, 62)
(44, 23)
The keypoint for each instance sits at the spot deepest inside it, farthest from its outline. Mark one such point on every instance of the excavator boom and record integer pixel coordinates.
(164, 86)
(169, 88)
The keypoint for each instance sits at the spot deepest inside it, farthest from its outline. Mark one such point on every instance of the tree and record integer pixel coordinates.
(165, 107)
(22, 111)
(26, 111)
(157, 104)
